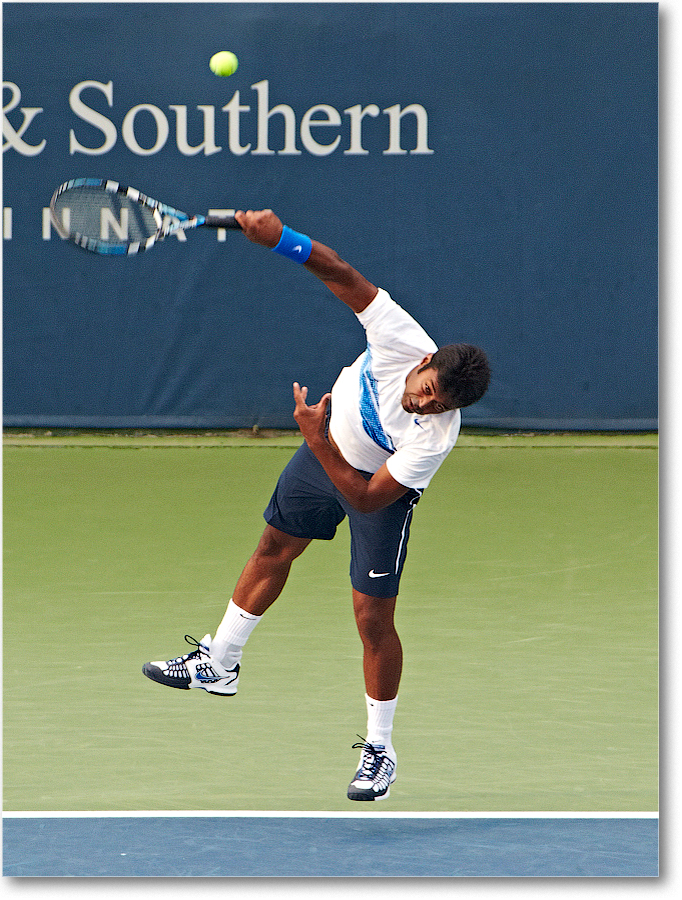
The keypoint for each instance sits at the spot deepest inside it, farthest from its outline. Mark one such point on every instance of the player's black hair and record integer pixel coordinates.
(463, 373)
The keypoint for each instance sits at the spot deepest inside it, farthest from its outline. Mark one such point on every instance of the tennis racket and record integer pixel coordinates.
(106, 217)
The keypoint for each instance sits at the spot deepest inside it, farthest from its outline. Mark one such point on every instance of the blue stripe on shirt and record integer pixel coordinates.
(369, 406)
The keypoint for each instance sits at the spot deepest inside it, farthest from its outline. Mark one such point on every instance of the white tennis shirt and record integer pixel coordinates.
(368, 423)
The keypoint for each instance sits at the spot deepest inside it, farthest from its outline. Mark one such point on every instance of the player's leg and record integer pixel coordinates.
(382, 659)
(259, 585)
(382, 666)
(214, 664)
(302, 508)
(266, 572)
(378, 552)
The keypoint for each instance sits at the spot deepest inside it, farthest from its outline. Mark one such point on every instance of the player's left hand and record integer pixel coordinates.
(310, 419)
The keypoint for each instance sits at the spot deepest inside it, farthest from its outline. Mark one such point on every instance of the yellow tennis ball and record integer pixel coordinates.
(224, 63)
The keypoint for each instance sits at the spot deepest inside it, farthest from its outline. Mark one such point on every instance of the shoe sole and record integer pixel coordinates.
(354, 794)
(155, 674)
(362, 795)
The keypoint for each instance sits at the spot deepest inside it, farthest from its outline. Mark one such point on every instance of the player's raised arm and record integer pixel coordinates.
(265, 228)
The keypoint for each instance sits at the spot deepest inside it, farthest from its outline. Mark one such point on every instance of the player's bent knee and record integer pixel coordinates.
(277, 546)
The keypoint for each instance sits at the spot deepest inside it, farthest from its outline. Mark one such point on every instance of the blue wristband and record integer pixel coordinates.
(294, 245)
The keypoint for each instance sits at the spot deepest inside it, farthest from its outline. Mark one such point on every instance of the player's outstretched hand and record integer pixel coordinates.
(310, 419)
(261, 226)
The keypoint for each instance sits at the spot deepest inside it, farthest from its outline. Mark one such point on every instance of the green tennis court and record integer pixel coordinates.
(528, 614)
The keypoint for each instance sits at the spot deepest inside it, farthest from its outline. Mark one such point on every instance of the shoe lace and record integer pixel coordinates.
(193, 642)
(372, 759)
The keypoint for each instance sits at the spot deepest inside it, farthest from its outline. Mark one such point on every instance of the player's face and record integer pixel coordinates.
(422, 396)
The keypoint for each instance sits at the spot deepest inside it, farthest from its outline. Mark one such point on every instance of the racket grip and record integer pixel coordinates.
(221, 222)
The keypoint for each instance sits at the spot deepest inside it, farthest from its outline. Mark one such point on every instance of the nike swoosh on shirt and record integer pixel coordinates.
(374, 574)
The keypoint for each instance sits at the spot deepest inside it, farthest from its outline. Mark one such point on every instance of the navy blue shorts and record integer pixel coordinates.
(306, 504)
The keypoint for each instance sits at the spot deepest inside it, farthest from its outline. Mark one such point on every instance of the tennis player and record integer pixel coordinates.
(371, 448)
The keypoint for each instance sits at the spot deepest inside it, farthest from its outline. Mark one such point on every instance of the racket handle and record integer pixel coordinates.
(221, 222)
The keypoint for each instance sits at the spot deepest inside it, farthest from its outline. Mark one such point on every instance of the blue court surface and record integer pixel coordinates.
(294, 846)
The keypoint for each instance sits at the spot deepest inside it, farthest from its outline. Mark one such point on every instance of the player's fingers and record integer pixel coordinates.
(260, 226)
(300, 394)
(245, 222)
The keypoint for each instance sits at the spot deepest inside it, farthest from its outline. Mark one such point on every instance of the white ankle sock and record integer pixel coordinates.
(233, 632)
(380, 720)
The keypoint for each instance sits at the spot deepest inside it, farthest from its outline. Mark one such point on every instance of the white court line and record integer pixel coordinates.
(277, 814)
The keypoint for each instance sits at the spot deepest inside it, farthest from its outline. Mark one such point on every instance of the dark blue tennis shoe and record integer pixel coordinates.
(376, 772)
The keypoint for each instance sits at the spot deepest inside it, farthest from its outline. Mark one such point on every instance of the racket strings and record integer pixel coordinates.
(107, 217)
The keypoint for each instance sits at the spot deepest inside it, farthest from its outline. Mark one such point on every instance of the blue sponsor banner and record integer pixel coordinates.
(493, 166)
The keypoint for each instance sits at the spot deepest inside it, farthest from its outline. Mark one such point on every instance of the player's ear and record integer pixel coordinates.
(427, 359)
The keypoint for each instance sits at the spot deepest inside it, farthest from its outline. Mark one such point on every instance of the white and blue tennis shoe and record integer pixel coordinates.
(197, 669)
(376, 773)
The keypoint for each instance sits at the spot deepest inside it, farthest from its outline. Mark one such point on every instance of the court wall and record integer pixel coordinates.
(494, 166)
